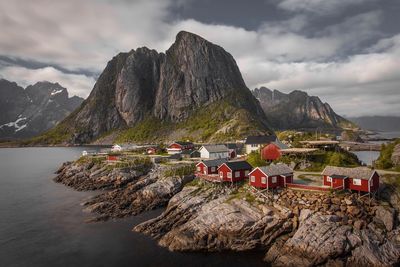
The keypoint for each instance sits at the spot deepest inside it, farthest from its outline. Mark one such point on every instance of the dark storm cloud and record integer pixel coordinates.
(344, 51)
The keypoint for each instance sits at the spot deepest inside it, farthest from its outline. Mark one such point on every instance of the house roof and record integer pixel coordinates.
(358, 172)
(279, 144)
(276, 169)
(183, 143)
(260, 139)
(214, 162)
(188, 151)
(215, 148)
(335, 176)
(238, 165)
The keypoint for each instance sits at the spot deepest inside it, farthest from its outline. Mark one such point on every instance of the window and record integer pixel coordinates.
(246, 173)
(229, 175)
(198, 168)
(205, 171)
(264, 180)
(254, 145)
(213, 169)
(252, 178)
(221, 174)
(356, 181)
(329, 179)
(237, 174)
(273, 179)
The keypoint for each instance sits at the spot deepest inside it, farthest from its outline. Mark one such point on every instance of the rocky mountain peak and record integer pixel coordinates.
(172, 88)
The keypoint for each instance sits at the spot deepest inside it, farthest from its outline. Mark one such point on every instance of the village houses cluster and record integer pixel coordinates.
(225, 163)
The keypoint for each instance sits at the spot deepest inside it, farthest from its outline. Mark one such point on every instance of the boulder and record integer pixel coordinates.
(386, 216)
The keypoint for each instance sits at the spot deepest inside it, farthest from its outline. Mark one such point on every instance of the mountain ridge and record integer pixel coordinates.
(33, 110)
(298, 110)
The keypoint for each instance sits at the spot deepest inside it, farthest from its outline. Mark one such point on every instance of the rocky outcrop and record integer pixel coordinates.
(305, 112)
(318, 239)
(94, 176)
(210, 221)
(144, 86)
(25, 113)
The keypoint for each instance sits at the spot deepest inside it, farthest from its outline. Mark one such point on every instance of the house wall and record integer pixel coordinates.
(258, 174)
(374, 183)
(363, 187)
(200, 168)
(219, 155)
(250, 148)
(289, 179)
(204, 153)
(223, 171)
(174, 149)
(257, 179)
(335, 182)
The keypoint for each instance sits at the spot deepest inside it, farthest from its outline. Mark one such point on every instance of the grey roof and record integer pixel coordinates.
(214, 162)
(239, 165)
(276, 169)
(215, 148)
(357, 172)
(260, 139)
(279, 144)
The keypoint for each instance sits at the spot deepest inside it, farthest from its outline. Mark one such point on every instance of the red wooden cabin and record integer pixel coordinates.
(272, 176)
(233, 171)
(209, 166)
(359, 179)
(178, 147)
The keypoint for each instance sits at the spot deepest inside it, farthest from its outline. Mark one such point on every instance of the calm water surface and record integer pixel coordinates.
(41, 222)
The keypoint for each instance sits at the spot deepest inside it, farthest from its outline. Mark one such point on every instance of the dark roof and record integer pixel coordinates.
(358, 172)
(187, 152)
(276, 169)
(214, 162)
(232, 146)
(183, 143)
(260, 139)
(175, 156)
(239, 165)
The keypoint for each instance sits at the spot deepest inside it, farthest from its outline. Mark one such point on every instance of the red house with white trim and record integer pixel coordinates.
(233, 171)
(272, 176)
(209, 166)
(360, 179)
(179, 147)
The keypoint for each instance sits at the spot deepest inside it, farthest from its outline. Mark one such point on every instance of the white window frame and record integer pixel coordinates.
(329, 179)
(213, 169)
(198, 168)
(246, 173)
(229, 175)
(253, 179)
(274, 180)
(221, 174)
(237, 174)
(357, 182)
(264, 180)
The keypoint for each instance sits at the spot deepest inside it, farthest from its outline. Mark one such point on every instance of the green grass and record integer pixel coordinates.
(384, 160)
(180, 171)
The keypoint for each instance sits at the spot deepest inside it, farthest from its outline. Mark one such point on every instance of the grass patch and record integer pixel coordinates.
(180, 171)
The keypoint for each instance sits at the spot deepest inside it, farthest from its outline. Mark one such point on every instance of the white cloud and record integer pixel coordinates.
(321, 7)
(86, 34)
(75, 84)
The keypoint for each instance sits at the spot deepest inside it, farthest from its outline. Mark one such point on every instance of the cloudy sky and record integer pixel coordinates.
(345, 51)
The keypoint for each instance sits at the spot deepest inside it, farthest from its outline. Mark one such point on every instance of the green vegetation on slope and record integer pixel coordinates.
(255, 160)
(384, 160)
(295, 137)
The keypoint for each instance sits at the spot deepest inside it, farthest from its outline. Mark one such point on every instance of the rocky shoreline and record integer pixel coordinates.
(291, 228)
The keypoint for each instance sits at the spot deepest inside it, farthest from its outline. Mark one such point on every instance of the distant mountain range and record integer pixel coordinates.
(297, 110)
(193, 91)
(378, 123)
(31, 111)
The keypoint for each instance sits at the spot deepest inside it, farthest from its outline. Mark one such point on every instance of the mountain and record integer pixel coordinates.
(193, 91)
(31, 111)
(378, 123)
(298, 110)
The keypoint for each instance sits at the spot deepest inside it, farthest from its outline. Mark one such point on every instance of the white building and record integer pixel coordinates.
(255, 143)
(116, 148)
(214, 152)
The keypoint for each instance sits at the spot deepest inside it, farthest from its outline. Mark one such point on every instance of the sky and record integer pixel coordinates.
(347, 52)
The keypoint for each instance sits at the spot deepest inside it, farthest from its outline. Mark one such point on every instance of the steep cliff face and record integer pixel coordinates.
(31, 111)
(298, 110)
(195, 90)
